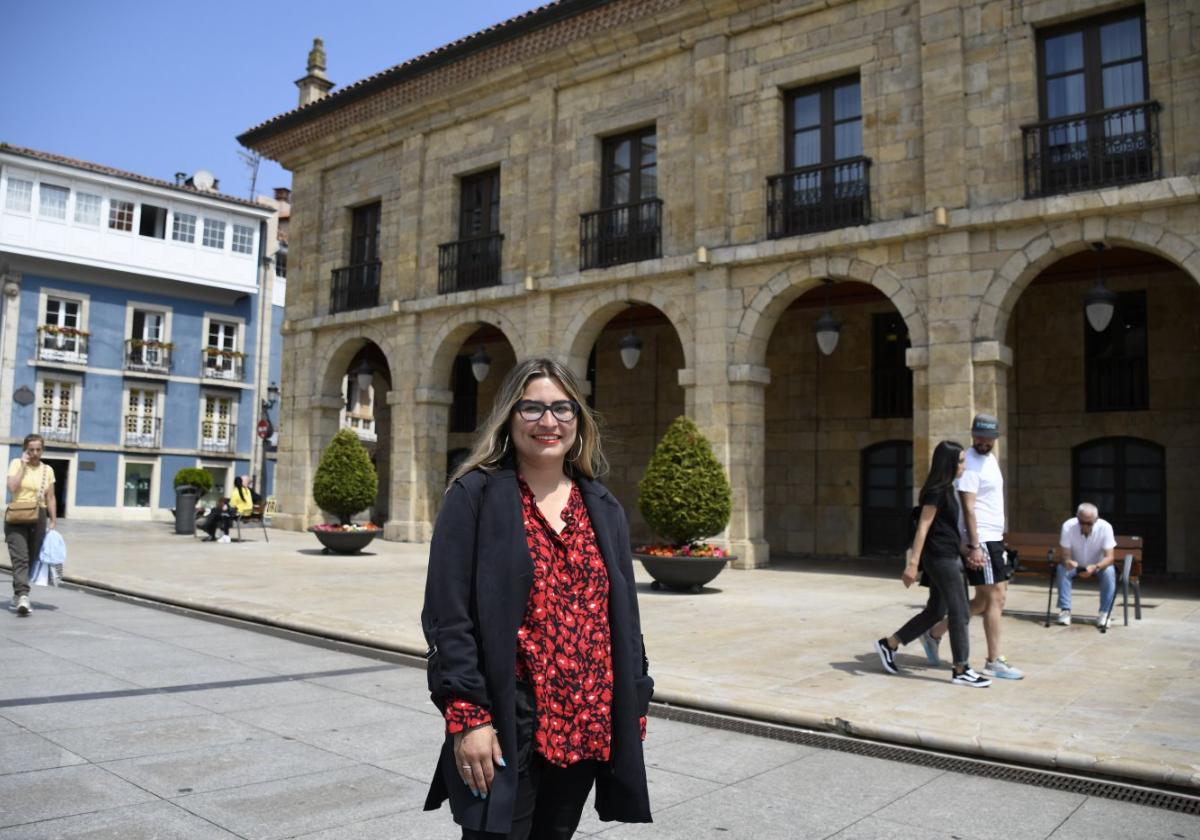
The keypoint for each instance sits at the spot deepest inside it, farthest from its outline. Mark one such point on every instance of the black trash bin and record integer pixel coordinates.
(185, 508)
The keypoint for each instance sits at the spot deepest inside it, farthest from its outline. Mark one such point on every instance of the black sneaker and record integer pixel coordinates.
(970, 679)
(887, 656)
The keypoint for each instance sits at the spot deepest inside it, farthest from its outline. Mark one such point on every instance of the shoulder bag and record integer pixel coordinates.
(26, 513)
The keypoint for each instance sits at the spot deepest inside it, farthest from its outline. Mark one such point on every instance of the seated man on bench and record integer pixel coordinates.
(1087, 543)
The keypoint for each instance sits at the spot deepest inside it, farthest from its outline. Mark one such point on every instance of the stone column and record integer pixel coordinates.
(426, 463)
(727, 403)
(10, 282)
(747, 445)
(991, 361)
(917, 359)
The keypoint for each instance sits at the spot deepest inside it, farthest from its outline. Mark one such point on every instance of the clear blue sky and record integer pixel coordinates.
(159, 86)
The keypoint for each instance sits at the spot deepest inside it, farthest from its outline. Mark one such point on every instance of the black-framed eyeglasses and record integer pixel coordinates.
(564, 411)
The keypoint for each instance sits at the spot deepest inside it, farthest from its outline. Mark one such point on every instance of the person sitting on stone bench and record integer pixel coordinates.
(220, 516)
(1087, 543)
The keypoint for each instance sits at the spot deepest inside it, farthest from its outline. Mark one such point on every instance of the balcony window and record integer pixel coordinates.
(19, 195)
(147, 349)
(473, 261)
(243, 239)
(826, 184)
(356, 286)
(52, 201)
(120, 215)
(183, 229)
(61, 338)
(214, 234)
(142, 424)
(1117, 376)
(153, 222)
(628, 227)
(1098, 126)
(222, 359)
(87, 208)
(217, 430)
(359, 412)
(57, 417)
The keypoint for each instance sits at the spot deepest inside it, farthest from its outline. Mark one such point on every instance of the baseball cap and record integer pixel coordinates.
(985, 426)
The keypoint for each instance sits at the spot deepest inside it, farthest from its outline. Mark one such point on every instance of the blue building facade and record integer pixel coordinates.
(140, 331)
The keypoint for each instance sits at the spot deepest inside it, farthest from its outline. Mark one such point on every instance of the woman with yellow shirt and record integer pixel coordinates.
(242, 499)
(29, 480)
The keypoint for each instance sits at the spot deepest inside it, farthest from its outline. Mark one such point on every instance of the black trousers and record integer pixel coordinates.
(549, 802)
(549, 799)
(217, 518)
(947, 594)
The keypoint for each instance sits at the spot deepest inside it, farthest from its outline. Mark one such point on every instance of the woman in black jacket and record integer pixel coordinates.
(937, 550)
(535, 650)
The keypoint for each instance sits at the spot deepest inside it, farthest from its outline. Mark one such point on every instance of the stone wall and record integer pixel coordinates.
(952, 244)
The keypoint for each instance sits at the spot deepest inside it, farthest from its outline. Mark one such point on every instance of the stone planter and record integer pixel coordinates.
(683, 574)
(345, 542)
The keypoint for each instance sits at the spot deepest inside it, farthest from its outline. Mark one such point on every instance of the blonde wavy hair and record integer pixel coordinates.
(493, 446)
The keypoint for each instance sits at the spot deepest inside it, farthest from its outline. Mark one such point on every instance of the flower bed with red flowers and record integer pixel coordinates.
(353, 527)
(690, 550)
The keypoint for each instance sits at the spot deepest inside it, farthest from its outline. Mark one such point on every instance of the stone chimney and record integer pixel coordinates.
(315, 85)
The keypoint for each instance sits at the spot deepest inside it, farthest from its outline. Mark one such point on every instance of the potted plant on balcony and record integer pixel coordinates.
(345, 483)
(684, 496)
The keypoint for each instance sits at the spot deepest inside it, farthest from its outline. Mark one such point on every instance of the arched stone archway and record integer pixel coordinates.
(343, 403)
(822, 412)
(763, 313)
(448, 336)
(1046, 246)
(1069, 384)
(595, 312)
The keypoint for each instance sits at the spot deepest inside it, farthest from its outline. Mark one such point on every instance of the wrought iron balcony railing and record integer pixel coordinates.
(229, 365)
(816, 198)
(58, 425)
(144, 356)
(354, 287)
(62, 344)
(621, 234)
(142, 431)
(1087, 151)
(469, 263)
(218, 436)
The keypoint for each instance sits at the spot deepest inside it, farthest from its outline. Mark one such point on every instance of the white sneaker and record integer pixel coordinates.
(1064, 618)
(23, 607)
(224, 539)
(1000, 669)
(1102, 621)
(970, 679)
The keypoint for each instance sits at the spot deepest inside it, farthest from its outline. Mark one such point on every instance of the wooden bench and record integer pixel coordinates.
(1039, 555)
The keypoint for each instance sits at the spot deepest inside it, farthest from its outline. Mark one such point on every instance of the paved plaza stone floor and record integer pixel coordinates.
(118, 720)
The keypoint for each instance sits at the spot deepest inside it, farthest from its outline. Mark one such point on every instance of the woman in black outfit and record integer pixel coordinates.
(937, 550)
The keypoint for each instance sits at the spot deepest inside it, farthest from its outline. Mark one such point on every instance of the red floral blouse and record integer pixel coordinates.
(564, 644)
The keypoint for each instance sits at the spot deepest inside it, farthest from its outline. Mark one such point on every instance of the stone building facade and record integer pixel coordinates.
(949, 167)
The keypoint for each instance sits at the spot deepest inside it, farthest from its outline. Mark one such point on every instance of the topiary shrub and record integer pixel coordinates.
(684, 495)
(345, 482)
(196, 477)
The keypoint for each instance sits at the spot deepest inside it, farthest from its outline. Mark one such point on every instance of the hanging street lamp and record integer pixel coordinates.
(1100, 301)
(481, 363)
(827, 328)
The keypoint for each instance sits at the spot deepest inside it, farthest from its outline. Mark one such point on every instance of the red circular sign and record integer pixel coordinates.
(264, 429)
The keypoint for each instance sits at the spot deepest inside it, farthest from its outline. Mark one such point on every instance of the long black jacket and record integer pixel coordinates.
(477, 589)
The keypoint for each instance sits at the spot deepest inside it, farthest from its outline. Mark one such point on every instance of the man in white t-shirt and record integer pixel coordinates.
(981, 491)
(1087, 542)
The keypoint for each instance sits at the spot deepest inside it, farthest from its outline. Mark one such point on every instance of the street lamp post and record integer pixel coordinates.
(272, 399)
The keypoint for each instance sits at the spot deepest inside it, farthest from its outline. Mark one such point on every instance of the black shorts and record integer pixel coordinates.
(997, 569)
